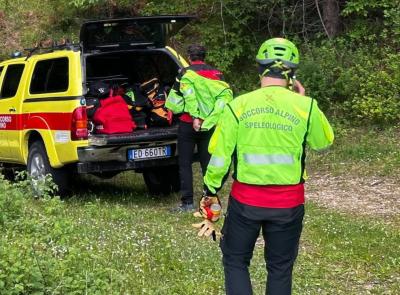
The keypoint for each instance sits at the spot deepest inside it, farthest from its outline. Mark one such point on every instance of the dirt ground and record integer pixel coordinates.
(378, 196)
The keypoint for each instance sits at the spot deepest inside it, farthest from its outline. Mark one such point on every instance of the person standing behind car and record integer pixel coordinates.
(199, 95)
(266, 132)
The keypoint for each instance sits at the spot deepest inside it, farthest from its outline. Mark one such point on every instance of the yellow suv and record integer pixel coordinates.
(43, 112)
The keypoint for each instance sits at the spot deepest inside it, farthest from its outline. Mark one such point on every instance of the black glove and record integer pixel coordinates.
(207, 192)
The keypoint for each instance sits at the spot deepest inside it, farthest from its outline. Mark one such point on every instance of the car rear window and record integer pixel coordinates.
(50, 75)
(11, 80)
(99, 34)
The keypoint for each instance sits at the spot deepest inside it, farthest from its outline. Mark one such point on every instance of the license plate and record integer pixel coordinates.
(148, 153)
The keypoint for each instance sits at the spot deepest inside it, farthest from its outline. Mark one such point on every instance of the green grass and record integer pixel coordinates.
(363, 151)
(117, 240)
(113, 238)
(342, 254)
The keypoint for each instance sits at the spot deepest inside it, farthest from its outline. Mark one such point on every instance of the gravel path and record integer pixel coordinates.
(378, 196)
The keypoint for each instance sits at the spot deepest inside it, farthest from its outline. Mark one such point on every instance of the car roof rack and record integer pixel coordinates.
(55, 47)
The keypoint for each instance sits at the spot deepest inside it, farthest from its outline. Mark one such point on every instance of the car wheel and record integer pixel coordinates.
(106, 174)
(39, 167)
(155, 182)
(8, 174)
(174, 179)
(162, 180)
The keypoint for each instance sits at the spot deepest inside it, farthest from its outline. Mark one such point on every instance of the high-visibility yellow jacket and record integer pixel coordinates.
(266, 132)
(200, 96)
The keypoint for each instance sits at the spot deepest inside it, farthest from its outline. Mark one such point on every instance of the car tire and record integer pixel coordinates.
(39, 166)
(162, 180)
(8, 174)
(174, 179)
(106, 174)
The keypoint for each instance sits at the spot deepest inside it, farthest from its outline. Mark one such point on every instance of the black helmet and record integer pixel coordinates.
(99, 89)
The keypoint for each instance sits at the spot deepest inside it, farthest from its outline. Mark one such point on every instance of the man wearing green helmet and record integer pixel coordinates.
(266, 132)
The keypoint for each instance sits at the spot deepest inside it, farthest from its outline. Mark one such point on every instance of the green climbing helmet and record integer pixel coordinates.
(277, 50)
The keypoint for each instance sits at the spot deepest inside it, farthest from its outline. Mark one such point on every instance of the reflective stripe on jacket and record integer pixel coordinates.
(266, 132)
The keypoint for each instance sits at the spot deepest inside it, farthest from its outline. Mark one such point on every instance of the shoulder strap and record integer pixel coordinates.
(303, 156)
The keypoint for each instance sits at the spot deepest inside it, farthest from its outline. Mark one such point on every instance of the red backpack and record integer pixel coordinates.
(113, 116)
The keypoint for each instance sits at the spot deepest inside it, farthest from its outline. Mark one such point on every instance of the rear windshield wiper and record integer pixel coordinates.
(107, 46)
(141, 44)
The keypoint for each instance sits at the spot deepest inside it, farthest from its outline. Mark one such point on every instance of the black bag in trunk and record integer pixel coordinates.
(135, 98)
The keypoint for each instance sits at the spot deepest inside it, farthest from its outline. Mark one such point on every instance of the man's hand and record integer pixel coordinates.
(210, 207)
(197, 122)
(207, 229)
(298, 87)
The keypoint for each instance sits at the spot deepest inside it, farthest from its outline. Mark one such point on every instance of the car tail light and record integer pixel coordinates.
(79, 130)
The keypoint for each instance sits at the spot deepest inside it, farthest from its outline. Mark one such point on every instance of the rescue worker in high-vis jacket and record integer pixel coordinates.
(266, 132)
(199, 95)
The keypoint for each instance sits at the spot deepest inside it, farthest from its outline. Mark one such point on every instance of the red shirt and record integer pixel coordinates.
(185, 117)
(209, 73)
(268, 196)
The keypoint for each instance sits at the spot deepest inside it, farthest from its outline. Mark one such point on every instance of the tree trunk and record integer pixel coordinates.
(331, 16)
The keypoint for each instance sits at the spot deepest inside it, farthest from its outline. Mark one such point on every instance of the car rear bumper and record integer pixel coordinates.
(96, 167)
(115, 157)
(154, 134)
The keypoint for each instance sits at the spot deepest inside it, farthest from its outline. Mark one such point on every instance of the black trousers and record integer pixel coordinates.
(187, 140)
(281, 229)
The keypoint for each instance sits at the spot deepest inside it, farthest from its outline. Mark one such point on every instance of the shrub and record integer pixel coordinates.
(362, 83)
(10, 203)
(377, 99)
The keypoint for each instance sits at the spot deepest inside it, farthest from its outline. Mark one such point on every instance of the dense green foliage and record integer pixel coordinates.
(354, 72)
(361, 83)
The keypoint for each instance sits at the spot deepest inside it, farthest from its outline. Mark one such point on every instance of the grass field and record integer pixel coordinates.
(113, 238)
(361, 151)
